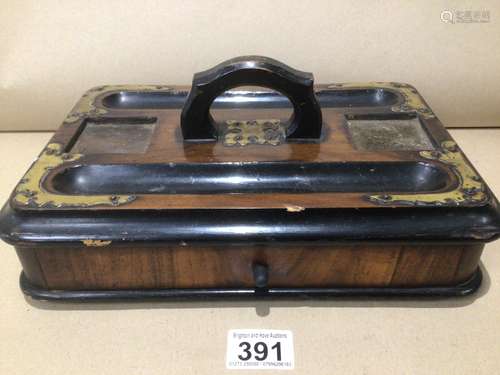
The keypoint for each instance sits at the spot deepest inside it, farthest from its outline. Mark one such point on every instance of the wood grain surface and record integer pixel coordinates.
(167, 146)
(293, 265)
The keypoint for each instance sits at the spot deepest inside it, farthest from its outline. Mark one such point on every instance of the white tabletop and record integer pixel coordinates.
(354, 336)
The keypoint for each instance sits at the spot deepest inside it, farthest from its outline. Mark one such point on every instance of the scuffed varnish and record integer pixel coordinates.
(294, 208)
(96, 243)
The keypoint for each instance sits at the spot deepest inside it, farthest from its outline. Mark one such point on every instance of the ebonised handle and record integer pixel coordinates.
(197, 123)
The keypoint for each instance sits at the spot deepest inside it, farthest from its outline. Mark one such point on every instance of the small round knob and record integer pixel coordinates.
(260, 275)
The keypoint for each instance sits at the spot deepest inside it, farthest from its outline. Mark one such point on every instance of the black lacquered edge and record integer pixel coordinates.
(460, 290)
(442, 224)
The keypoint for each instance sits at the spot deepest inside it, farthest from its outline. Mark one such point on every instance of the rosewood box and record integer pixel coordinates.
(225, 190)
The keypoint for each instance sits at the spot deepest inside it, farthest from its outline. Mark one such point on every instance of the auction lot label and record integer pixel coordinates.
(259, 349)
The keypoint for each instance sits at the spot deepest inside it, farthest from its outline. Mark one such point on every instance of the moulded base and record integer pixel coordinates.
(463, 289)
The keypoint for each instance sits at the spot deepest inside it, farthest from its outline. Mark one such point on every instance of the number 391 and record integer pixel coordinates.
(260, 349)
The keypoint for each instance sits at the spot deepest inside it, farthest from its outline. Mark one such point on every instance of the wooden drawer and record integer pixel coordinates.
(292, 265)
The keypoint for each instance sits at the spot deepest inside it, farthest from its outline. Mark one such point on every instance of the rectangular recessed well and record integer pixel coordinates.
(388, 133)
(115, 136)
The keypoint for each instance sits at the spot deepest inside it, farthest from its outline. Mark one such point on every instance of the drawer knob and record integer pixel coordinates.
(260, 275)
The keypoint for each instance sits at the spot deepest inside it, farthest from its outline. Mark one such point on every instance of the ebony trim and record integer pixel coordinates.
(459, 290)
(442, 224)
(196, 122)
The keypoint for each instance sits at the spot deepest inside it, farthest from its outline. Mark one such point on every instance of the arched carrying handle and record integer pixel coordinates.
(197, 123)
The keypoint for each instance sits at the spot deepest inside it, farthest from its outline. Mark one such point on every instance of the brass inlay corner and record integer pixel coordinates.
(413, 102)
(86, 106)
(261, 132)
(30, 192)
(469, 191)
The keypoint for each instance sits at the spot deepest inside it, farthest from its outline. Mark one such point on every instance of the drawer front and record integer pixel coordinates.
(112, 266)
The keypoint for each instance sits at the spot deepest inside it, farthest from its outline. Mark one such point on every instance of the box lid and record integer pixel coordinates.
(355, 150)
